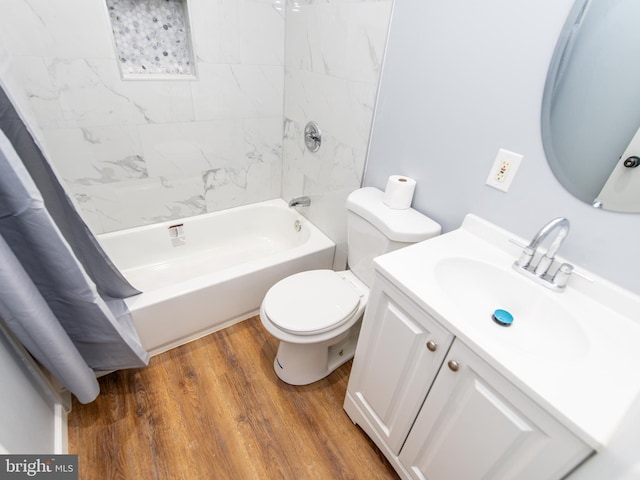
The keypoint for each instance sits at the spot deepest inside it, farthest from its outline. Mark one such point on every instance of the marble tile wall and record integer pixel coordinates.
(138, 152)
(135, 152)
(334, 52)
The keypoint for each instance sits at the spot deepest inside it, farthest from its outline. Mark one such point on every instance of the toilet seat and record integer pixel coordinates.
(299, 303)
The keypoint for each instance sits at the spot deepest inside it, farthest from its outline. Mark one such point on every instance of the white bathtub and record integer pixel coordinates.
(211, 270)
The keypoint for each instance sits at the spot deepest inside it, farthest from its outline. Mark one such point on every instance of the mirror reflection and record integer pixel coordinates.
(591, 105)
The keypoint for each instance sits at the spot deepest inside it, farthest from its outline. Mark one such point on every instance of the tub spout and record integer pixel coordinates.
(300, 202)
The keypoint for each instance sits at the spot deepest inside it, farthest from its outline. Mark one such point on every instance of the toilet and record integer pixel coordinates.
(316, 314)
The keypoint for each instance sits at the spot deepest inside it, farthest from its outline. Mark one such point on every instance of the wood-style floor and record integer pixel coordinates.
(214, 409)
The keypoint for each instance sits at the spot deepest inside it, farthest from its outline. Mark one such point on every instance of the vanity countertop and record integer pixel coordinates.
(580, 366)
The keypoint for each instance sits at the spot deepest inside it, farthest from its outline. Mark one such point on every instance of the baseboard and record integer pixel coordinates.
(61, 430)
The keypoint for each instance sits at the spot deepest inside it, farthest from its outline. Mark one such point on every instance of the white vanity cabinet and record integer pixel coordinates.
(475, 424)
(399, 353)
(440, 412)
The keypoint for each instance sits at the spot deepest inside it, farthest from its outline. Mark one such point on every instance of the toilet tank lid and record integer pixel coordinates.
(406, 225)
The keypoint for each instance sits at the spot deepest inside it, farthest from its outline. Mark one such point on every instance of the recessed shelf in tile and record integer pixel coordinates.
(151, 37)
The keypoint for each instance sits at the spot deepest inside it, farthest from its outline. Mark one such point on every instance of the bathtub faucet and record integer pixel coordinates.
(300, 202)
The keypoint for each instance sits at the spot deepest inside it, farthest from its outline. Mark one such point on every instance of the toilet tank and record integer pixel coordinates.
(373, 229)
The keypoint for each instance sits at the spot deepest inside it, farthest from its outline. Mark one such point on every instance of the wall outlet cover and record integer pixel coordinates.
(504, 169)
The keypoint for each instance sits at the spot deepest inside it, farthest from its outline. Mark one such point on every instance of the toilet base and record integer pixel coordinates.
(302, 364)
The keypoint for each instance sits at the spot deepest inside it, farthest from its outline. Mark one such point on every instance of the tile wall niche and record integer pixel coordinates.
(152, 37)
(135, 152)
(334, 52)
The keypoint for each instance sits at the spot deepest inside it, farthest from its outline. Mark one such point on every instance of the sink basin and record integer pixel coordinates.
(542, 325)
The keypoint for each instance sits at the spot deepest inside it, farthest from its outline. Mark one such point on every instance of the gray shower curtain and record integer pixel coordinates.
(59, 292)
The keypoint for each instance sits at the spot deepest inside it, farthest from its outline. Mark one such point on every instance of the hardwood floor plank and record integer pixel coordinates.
(214, 409)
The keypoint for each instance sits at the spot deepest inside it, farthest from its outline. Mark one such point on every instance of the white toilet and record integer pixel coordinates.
(316, 315)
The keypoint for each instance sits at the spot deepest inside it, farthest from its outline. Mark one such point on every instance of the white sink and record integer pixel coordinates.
(575, 352)
(542, 325)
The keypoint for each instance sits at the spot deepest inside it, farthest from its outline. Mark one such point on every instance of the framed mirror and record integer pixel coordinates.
(591, 105)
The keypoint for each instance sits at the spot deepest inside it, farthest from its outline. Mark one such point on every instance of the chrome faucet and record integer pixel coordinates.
(541, 271)
(299, 202)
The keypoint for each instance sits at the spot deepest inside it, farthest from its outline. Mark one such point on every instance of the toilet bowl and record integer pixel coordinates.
(316, 315)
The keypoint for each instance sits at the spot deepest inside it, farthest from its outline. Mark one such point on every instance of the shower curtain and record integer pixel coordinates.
(59, 292)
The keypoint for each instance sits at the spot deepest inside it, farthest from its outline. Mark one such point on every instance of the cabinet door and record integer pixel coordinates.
(476, 425)
(393, 366)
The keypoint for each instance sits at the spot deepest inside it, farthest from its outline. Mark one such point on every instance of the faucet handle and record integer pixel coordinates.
(517, 243)
(582, 275)
(525, 257)
(562, 275)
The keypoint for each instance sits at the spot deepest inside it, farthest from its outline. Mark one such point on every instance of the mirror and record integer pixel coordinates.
(591, 105)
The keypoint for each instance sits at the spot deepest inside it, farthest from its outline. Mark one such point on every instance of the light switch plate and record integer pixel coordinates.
(504, 169)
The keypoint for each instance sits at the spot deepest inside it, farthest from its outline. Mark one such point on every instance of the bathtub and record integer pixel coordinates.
(201, 274)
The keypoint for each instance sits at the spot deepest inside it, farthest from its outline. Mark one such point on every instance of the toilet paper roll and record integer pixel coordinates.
(399, 192)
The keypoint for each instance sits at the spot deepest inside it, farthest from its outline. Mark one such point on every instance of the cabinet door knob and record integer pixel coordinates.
(453, 365)
(432, 346)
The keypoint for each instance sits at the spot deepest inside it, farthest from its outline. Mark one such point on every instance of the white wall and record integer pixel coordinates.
(461, 80)
(32, 420)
